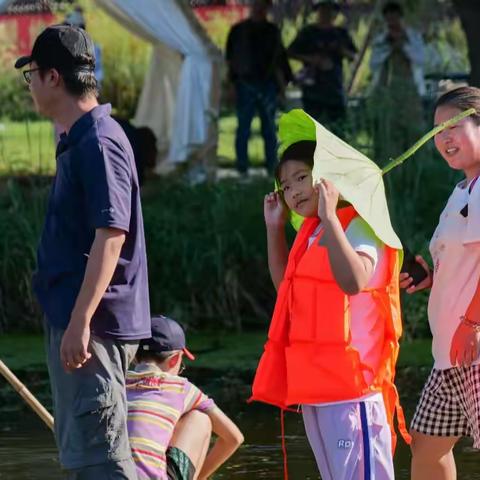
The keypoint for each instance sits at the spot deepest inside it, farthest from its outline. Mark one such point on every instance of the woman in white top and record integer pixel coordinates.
(449, 407)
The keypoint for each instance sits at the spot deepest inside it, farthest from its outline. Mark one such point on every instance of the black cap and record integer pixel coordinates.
(167, 335)
(63, 47)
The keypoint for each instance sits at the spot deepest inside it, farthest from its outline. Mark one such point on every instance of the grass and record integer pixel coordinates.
(214, 350)
(226, 141)
(27, 148)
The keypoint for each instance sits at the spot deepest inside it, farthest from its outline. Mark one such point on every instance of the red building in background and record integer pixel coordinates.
(22, 20)
(207, 10)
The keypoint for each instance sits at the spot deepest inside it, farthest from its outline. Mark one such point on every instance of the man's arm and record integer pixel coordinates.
(101, 264)
(301, 48)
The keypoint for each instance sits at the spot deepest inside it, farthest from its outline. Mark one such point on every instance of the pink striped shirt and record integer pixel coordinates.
(156, 401)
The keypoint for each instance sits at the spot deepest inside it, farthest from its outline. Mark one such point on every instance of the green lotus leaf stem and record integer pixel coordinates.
(448, 123)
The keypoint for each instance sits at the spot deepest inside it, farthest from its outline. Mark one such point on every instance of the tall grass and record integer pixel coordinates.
(206, 247)
(26, 148)
(206, 252)
(22, 207)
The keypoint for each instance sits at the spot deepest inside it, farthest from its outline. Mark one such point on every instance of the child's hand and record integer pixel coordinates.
(465, 346)
(406, 280)
(274, 210)
(327, 199)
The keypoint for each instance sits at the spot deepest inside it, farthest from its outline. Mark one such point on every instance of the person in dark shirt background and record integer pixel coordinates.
(259, 70)
(91, 279)
(322, 47)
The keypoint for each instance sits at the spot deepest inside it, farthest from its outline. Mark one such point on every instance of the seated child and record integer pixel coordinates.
(170, 420)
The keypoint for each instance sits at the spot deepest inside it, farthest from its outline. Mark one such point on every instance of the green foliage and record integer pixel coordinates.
(15, 101)
(125, 60)
(22, 207)
(206, 252)
(126, 57)
(206, 247)
(446, 47)
(226, 145)
(26, 148)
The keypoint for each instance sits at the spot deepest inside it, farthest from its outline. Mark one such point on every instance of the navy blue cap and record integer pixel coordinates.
(167, 335)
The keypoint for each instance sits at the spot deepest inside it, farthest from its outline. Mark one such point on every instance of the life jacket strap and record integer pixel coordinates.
(284, 445)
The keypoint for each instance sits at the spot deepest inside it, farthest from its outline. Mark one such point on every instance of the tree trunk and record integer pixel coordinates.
(469, 12)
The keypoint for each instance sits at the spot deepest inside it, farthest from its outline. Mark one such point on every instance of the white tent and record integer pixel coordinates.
(181, 93)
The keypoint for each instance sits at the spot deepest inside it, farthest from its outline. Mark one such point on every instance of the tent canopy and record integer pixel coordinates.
(180, 97)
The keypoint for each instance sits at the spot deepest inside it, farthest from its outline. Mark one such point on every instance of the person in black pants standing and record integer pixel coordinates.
(259, 70)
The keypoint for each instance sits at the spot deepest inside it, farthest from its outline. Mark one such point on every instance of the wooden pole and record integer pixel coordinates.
(23, 391)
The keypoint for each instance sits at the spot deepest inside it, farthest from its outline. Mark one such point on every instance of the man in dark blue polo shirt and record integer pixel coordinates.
(91, 279)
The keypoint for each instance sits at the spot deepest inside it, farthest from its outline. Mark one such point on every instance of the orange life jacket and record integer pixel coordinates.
(308, 356)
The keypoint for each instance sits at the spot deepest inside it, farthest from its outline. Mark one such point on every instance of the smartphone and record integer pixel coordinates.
(413, 268)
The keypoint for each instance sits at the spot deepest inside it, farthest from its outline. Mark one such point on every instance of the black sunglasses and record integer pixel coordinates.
(27, 74)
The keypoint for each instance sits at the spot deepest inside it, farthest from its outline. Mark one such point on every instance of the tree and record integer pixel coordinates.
(469, 13)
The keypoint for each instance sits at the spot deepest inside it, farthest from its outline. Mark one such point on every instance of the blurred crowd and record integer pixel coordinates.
(259, 72)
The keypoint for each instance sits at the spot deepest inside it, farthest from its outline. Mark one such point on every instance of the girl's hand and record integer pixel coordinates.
(274, 210)
(465, 346)
(327, 199)
(406, 280)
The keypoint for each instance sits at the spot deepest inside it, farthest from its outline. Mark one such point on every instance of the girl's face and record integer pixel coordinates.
(459, 145)
(297, 185)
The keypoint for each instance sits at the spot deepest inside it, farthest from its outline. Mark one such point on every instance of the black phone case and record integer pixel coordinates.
(413, 268)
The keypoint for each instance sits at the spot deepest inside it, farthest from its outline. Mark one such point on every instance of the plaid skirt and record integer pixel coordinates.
(450, 404)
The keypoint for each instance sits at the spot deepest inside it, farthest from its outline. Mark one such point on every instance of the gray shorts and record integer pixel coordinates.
(90, 406)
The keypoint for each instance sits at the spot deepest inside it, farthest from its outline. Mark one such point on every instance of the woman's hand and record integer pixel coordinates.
(406, 280)
(327, 199)
(274, 210)
(465, 346)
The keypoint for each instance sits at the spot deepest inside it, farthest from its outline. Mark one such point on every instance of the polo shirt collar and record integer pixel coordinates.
(84, 123)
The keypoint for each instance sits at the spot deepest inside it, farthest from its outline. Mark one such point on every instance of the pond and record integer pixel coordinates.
(27, 449)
